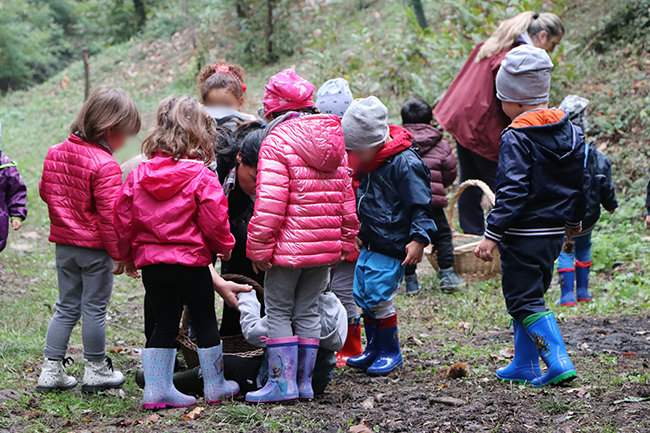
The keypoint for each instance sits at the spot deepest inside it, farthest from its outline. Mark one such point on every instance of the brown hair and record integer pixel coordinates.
(209, 79)
(182, 130)
(509, 30)
(107, 108)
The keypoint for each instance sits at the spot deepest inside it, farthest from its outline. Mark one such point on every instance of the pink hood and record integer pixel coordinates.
(172, 212)
(305, 213)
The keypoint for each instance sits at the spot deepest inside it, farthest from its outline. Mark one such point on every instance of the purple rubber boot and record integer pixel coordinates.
(159, 391)
(307, 351)
(281, 384)
(215, 386)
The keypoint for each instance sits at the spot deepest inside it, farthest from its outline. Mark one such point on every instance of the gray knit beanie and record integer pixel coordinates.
(525, 76)
(334, 97)
(365, 124)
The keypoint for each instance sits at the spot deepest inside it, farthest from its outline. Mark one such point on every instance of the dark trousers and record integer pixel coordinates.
(526, 271)
(441, 240)
(167, 288)
(474, 166)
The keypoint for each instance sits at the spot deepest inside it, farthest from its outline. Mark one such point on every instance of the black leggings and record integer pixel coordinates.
(168, 287)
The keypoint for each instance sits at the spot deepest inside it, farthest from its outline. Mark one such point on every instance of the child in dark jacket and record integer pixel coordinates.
(417, 118)
(542, 189)
(13, 199)
(394, 209)
(574, 264)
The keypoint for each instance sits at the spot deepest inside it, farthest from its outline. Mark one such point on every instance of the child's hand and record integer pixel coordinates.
(414, 253)
(118, 269)
(358, 244)
(131, 271)
(484, 250)
(261, 266)
(570, 233)
(225, 256)
(647, 222)
(611, 212)
(228, 290)
(16, 223)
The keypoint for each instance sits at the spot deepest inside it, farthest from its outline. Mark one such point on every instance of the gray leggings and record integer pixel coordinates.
(291, 298)
(85, 287)
(341, 284)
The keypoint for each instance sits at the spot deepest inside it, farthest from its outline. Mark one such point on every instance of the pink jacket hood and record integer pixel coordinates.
(172, 212)
(305, 212)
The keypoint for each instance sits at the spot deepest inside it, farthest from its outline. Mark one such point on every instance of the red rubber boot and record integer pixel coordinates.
(352, 346)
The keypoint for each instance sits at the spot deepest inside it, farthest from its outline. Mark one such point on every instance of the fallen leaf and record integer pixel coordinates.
(66, 423)
(194, 414)
(379, 397)
(629, 354)
(507, 352)
(443, 386)
(583, 391)
(583, 346)
(464, 325)
(152, 419)
(118, 349)
(363, 427)
(368, 403)
(497, 357)
(641, 332)
(415, 340)
(632, 400)
(447, 401)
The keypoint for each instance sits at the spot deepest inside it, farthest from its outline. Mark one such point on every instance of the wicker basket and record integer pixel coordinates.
(466, 264)
(232, 345)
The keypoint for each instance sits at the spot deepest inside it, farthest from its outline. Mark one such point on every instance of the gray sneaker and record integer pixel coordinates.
(412, 286)
(449, 281)
(100, 376)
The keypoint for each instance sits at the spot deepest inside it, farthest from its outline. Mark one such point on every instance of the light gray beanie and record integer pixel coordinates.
(334, 97)
(365, 124)
(525, 76)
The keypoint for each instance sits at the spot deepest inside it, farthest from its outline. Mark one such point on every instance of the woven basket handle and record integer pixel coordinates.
(462, 187)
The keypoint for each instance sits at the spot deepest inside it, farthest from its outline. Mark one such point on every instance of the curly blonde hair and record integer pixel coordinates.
(182, 130)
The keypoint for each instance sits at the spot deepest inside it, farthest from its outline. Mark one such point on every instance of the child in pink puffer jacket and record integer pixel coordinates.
(304, 222)
(171, 215)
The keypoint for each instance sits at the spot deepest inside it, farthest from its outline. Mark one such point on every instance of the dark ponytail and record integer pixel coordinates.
(247, 139)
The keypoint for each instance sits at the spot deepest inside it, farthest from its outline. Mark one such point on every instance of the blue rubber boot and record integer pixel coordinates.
(283, 361)
(307, 351)
(568, 297)
(412, 286)
(545, 332)
(582, 281)
(215, 386)
(159, 390)
(389, 355)
(524, 367)
(368, 356)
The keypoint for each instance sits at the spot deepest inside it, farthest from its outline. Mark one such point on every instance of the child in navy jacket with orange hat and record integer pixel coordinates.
(542, 188)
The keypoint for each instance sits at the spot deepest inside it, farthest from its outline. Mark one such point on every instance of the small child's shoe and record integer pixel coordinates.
(412, 286)
(100, 376)
(53, 376)
(159, 390)
(449, 281)
(568, 297)
(215, 386)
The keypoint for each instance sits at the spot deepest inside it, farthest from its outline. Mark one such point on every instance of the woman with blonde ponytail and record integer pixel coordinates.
(471, 112)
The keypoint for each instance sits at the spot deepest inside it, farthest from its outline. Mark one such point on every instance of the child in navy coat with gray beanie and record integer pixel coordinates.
(542, 188)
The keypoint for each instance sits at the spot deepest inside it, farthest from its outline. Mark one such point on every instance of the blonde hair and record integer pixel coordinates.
(509, 30)
(182, 130)
(107, 108)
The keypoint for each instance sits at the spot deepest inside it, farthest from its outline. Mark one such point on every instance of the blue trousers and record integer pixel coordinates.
(376, 280)
(581, 253)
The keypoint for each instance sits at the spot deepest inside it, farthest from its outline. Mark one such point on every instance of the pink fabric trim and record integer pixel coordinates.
(283, 340)
(308, 341)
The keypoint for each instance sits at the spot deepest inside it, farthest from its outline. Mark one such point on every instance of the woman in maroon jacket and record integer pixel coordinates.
(471, 112)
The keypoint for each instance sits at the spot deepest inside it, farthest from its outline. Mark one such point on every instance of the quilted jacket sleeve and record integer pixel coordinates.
(212, 215)
(607, 188)
(123, 221)
(16, 190)
(415, 191)
(106, 186)
(350, 226)
(449, 165)
(271, 203)
(513, 183)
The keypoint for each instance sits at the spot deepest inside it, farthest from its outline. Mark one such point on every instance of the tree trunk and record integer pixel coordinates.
(240, 6)
(418, 10)
(140, 12)
(84, 56)
(269, 30)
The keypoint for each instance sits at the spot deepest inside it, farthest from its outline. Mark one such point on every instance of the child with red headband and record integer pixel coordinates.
(222, 85)
(304, 222)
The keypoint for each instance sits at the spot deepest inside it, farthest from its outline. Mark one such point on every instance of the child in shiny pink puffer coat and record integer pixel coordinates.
(304, 222)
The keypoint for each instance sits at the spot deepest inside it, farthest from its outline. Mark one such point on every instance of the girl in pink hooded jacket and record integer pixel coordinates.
(304, 222)
(171, 215)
